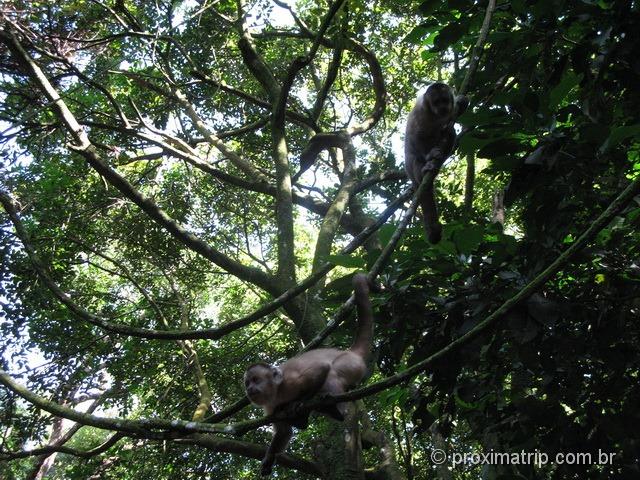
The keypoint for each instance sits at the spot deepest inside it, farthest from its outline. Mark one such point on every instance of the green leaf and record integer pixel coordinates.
(619, 134)
(416, 35)
(347, 261)
(393, 396)
(385, 233)
(449, 35)
(465, 405)
(560, 91)
(468, 239)
(505, 146)
(458, 4)
(483, 116)
(430, 6)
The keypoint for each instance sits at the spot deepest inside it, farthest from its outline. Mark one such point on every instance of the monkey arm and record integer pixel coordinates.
(282, 433)
(432, 160)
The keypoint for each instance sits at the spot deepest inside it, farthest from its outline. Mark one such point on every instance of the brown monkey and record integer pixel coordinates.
(429, 141)
(324, 371)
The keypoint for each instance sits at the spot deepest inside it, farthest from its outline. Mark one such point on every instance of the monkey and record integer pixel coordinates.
(323, 371)
(429, 140)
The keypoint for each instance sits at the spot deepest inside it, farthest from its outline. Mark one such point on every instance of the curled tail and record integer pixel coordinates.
(363, 340)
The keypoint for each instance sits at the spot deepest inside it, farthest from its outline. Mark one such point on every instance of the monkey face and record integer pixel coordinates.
(440, 100)
(261, 383)
(442, 106)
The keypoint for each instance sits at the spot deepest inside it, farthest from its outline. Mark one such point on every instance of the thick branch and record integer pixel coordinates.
(375, 69)
(212, 333)
(317, 144)
(48, 450)
(284, 200)
(252, 59)
(148, 428)
(86, 149)
(301, 62)
(332, 74)
(250, 450)
(331, 220)
(380, 262)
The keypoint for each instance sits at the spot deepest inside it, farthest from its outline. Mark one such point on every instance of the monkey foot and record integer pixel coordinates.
(267, 466)
(434, 157)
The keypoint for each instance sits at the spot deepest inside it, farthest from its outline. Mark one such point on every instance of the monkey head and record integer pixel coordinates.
(261, 381)
(439, 100)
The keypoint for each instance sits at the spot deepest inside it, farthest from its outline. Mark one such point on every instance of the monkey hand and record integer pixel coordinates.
(433, 160)
(267, 465)
(376, 287)
(430, 166)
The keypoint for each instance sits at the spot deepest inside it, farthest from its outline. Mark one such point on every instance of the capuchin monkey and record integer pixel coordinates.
(324, 372)
(429, 141)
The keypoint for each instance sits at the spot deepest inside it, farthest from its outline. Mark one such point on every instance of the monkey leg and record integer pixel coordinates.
(333, 386)
(433, 227)
(281, 435)
(334, 411)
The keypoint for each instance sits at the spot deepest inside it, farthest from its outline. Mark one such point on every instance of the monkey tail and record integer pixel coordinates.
(363, 340)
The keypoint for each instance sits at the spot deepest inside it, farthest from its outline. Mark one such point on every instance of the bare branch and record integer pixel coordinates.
(478, 47)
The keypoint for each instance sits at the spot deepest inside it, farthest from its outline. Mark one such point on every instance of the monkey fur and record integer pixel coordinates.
(429, 141)
(323, 371)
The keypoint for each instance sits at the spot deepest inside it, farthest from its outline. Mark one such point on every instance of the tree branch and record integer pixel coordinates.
(48, 450)
(477, 48)
(375, 69)
(250, 450)
(616, 206)
(211, 333)
(331, 220)
(153, 428)
(254, 62)
(84, 147)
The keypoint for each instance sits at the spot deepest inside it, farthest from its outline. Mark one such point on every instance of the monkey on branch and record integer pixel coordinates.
(429, 140)
(323, 372)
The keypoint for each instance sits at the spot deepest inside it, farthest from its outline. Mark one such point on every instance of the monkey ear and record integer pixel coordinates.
(276, 372)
